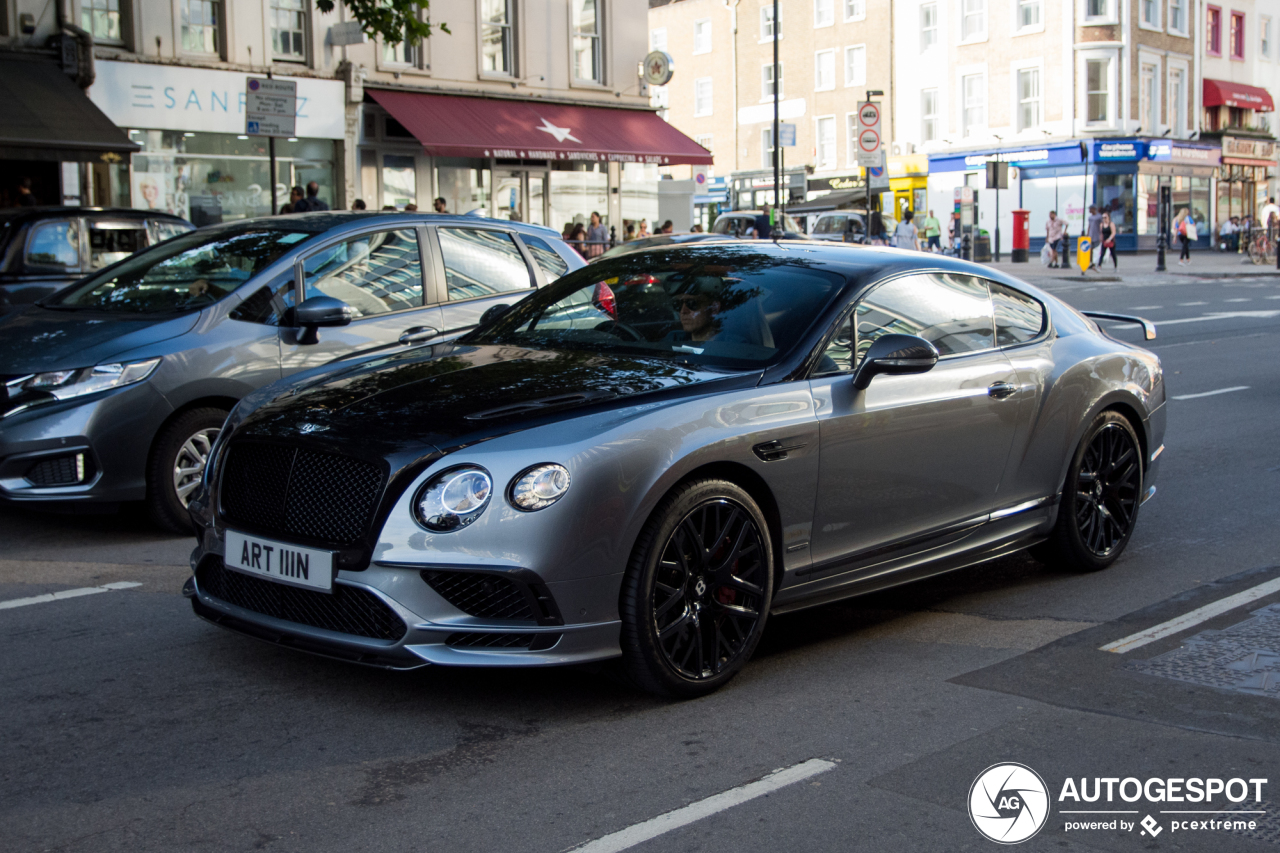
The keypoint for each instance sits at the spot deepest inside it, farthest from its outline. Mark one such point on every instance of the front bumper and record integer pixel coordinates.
(111, 430)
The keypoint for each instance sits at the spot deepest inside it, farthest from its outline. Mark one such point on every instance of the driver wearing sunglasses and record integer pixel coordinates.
(698, 305)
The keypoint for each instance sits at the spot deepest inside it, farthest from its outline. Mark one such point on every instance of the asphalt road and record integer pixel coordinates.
(129, 724)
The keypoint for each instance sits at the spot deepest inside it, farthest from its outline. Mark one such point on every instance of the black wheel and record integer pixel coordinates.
(697, 590)
(1100, 498)
(178, 459)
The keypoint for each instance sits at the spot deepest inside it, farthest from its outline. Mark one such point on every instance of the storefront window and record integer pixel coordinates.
(1115, 196)
(399, 180)
(575, 194)
(463, 188)
(1147, 205)
(639, 195)
(219, 177)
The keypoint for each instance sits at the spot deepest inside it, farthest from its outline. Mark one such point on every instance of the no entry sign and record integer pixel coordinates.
(869, 134)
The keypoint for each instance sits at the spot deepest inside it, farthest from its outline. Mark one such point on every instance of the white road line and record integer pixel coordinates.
(1195, 617)
(1217, 315)
(1146, 308)
(1238, 299)
(641, 832)
(1212, 393)
(1189, 304)
(1273, 297)
(66, 593)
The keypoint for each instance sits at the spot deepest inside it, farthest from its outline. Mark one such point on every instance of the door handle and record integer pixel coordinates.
(1000, 390)
(418, 334)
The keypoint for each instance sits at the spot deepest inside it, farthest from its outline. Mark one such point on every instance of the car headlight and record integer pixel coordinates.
(454, 498)
(539, 487)
(64, 384)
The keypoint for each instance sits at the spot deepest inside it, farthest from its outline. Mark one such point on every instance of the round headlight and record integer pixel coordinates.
(539, 487)
(453, 499)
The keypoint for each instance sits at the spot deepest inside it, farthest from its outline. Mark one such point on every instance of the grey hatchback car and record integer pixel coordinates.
(115, 388)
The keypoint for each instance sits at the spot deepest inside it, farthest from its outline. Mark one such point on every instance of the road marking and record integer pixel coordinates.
(1218, 315)
(1189, 304)
(1273, 297)
(1212, 393)
(1146, 308)
(1195, 617)
(1238, 299)
(641, 832)
(66, 593)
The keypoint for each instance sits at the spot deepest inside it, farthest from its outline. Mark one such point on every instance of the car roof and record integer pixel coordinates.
(325, 220)
(57, 211)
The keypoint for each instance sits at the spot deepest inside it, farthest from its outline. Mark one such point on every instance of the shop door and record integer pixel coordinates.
(520, 195)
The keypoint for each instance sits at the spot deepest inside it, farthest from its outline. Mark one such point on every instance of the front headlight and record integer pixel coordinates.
(64, 384)
(539, 487)
(454, 498)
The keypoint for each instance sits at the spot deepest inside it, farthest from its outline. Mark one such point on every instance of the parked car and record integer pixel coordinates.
(847, 226)
(43, 249)
(647, 458)
(658, 240)
(736, 223)
(116, 387)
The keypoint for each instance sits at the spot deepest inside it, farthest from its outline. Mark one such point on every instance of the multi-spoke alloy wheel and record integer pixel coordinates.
(178, 459)
(698, 590)
(1100, 498)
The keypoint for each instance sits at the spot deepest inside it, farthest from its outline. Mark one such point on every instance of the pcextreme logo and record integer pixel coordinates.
(1008, 803)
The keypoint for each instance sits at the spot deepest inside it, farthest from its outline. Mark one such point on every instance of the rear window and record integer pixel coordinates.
(1019, 318)
(110, 244)
(831, 225)
(54, 244)
(546, 257)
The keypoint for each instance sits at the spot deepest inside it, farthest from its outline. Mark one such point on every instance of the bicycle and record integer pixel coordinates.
(1261, 245)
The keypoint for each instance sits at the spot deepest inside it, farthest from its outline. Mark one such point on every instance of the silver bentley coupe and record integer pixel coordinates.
(647, 458)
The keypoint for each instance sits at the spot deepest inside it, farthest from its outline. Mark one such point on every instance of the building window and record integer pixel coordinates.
(101, 18)
(705, 141)
(826, 142)
(201, 22)
(1213, 31)
(766, 147)
(1264, 38)
(1151, 13)
(1148, 97)
(288, 30)
(1237, 35)
(824, 13)
(767, 28)
(660, 99)
(1028, 98)
(702, 36)
(1097, 91)
(973, 19)
(855, 10)
(824, 70)
(928, 26)
(1178, 16)
(928, 115)
(974, 88)
(1029, 13)
(702, 96)
(1177, 100)
(855, 65)
(588, 60)
(404, 53)
(497, 36)
(766, 81)
(658, 39)
(1097, 9)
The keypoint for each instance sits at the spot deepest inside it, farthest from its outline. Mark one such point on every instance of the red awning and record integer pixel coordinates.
(1223, 93)
(456, 126)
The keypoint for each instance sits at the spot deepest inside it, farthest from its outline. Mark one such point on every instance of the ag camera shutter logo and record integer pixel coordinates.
(1008, 803)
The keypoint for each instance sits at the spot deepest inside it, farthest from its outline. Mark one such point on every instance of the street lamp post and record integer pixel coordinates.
(777, 148)
(995, 250)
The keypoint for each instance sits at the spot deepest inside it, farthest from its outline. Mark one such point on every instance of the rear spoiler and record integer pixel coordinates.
(1148, 327)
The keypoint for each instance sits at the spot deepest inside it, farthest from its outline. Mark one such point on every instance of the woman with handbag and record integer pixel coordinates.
(1109, 232)
(1186, 228)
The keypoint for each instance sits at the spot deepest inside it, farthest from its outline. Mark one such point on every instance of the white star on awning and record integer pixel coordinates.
(560, 133)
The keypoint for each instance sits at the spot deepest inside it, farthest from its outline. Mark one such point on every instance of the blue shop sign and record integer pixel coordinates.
(1059, 155)
(1119, 150)
(1160, 149)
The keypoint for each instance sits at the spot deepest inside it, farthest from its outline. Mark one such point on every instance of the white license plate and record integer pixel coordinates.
(281, 562)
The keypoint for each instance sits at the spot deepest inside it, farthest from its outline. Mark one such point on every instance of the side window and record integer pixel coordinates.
(162, 229)
(108, 245)
(266, 304)
(953, 312)
(545, 256)
(481, 263)
(373, 273)
(838, 356)
(1019, 318)
(54, 244)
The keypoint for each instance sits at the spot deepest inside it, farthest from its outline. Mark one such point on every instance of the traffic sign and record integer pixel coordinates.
(1084, 253)
(787, 135)
(869, 134)
(271, 107)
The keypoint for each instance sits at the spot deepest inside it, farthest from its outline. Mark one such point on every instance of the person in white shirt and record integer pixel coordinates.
(1268, 210)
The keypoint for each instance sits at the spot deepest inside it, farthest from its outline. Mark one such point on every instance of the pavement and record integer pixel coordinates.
(131, 725)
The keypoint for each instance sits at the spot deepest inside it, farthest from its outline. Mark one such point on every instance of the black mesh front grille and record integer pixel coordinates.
(59, 471)
(487, 596)
(347, 610)
(532, 642)
(309, 493)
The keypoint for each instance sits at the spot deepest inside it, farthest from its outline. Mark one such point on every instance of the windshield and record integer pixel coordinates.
(724, 307)
(185, 273)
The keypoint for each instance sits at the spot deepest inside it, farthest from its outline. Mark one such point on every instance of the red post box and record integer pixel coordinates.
(1021, 235)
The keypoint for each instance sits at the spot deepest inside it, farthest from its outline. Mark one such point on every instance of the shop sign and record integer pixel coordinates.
(1110, 152)
(585, 156)
(1061, 155)
(170, 97)
(1187, 154)
(848, 182)
(1252, 149)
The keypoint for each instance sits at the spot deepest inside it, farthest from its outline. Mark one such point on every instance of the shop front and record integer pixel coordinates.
(194, 158)
(530, 161)
(1129, 173)
(1245, 177)
(909, 183)
(753, 189)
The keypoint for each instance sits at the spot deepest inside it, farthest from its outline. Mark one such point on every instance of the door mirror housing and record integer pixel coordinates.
(493, 313)
(895, 355)
(317, 311)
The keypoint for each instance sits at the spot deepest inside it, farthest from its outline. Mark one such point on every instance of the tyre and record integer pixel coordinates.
(177, 463)
(697, 590)
(1100, 498)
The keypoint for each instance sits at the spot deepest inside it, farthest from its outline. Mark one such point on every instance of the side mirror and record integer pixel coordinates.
(494, 313)
(895, 355)
(317, 311)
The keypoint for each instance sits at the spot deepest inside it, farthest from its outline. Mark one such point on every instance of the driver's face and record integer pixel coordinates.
(696, 313)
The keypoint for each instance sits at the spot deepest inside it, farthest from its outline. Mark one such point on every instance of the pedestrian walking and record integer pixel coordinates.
(1109, 232)
(1185, 227)
(312, 202)
(440, 205)
(358, 204)
(25, 197)
(597, 237)
(295, 198)
(875, 229)
(932, 232)
(1054, 230)
(577, 238)
(643, 230)
(1094, 231)
(906, 235)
